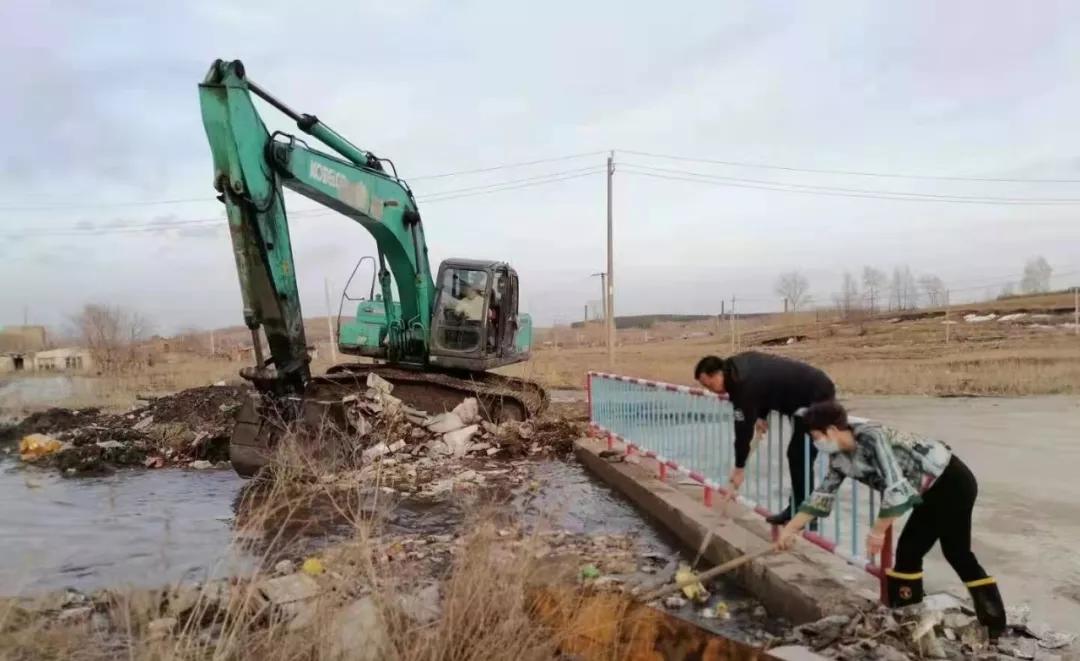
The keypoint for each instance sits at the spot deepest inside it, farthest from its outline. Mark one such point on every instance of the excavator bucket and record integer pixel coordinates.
(263, 419)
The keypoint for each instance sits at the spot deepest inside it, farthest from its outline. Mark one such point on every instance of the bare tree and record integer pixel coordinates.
(794, 287)
(847, 301)
(905, 294)
(110, 333)
(873, 281)
(934, 288)
(1036, 278)
(1008, 290)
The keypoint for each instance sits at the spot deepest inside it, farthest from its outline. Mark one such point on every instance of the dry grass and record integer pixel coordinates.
(871, 357)
(486, 609)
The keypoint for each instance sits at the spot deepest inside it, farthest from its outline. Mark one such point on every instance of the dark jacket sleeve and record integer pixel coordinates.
(744, 433)
(745, 401)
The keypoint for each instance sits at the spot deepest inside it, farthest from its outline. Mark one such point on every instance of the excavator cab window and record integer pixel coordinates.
(462, 309)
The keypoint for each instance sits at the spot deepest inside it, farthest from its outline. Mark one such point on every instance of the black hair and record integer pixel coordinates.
(709, 365)
(823, 415)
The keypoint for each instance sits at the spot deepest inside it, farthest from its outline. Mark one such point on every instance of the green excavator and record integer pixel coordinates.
(435, 341)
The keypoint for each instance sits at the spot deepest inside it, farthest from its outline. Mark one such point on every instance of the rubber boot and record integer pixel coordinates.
(903, 589)
(989, 608)
(781, 518)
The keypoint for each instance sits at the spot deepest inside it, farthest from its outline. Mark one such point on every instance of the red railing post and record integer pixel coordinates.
(588, 394)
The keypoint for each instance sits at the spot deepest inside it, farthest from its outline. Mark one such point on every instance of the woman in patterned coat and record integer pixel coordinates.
(913, 474)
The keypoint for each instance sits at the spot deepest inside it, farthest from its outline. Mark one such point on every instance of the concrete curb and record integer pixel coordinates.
(802, 586)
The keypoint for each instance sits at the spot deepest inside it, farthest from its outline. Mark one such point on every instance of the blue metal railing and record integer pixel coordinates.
(692, 431)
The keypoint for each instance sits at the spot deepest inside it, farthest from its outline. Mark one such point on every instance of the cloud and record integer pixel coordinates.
(963, 88)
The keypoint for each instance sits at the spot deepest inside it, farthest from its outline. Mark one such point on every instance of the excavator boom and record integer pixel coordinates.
(251, 168)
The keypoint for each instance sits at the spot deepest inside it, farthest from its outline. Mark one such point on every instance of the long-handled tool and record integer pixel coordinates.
(712, 573)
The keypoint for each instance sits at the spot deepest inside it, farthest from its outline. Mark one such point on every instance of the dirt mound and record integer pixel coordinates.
(51, 422)
(199, 408)
(192, 425)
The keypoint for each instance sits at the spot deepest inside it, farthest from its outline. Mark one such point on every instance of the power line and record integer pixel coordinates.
(107, 205)
(195, 223)
(734, 182)
(505, 166)
(186, 200)
(553, 176)
(858, 173)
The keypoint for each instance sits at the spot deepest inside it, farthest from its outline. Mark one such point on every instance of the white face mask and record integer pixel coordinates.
(826, 445)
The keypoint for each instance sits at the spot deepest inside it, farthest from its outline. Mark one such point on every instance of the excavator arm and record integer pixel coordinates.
(251, 166)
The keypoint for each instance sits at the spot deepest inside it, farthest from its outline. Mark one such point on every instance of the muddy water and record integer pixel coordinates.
(136, 527)
(147, 527)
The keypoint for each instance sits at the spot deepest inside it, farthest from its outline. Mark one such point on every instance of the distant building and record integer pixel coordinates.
(68, 359)
(22, 339)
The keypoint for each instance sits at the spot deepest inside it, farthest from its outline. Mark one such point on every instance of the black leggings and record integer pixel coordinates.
(945, 514)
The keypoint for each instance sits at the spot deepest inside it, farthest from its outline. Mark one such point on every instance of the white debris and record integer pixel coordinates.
(108, 445)
(438, 447)
(674, 602)
(468, 411)
(458, 441)
(379, 384)
(357, 633)
(286, 589)
(200, 465)
(978, 319)
(358, 421)
(284, 568)
(1017, 616)
(1013, 317)
(422, 606)
(397, 446)
(143, 423)
(445, 422)
(478, 447)
(374, 452)
(1021, 648)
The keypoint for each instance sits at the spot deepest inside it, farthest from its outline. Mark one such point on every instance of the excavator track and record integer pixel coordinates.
(501, 398)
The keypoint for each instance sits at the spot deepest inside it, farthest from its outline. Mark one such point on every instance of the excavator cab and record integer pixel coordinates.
(476, 324)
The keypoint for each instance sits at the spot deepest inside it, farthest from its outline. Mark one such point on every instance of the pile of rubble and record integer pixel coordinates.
(457, 433)
(414, 453)
(191, 427)
(946, 630)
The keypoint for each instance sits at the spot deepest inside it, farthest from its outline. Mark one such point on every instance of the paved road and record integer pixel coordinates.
(1025, 452)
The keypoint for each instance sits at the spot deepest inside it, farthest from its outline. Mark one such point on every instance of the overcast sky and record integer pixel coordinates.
(101, 114)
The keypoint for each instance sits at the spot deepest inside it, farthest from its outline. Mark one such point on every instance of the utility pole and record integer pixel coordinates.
(603, 295)
(732, 324)
(610, 264)
(329, 322)
(585, 319)
(1076, 310)
(948, 325)
(213, 344)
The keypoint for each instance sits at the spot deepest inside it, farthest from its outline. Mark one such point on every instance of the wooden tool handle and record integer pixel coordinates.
(704, 576)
